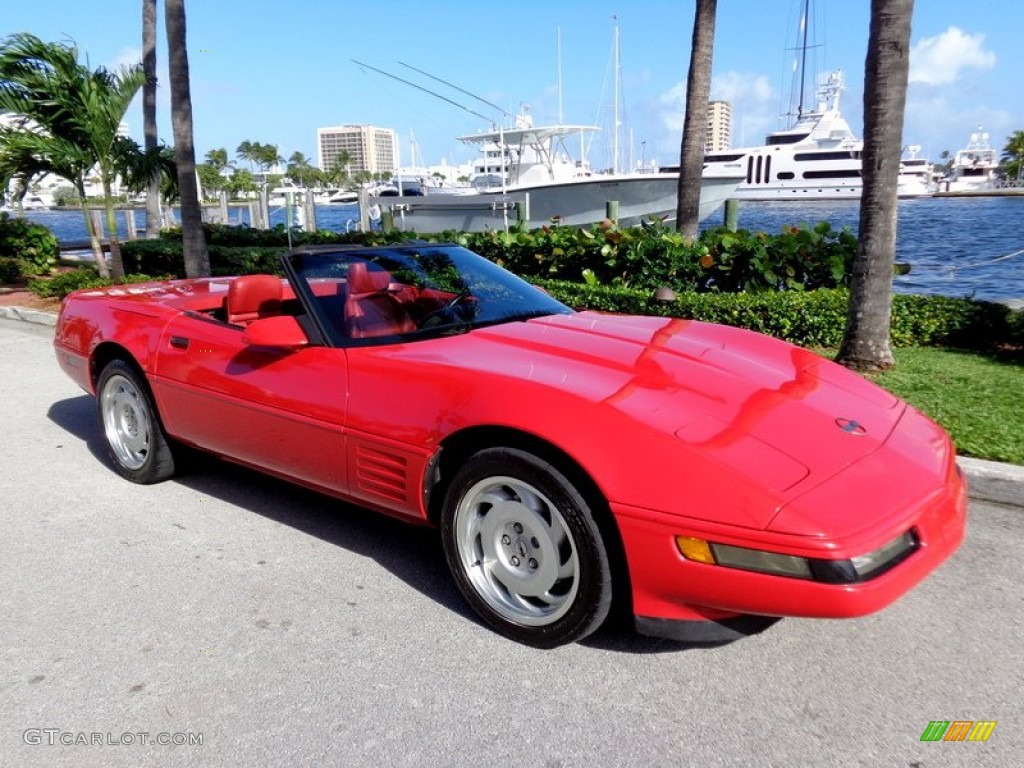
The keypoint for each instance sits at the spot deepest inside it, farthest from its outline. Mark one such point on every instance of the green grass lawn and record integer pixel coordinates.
(977, 398)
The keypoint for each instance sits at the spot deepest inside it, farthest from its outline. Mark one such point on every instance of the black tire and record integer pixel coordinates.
(524, 549)
(134, 436)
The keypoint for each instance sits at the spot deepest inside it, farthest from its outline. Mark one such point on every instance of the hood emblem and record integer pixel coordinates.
(851, 427)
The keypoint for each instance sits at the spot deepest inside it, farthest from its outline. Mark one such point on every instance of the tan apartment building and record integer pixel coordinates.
(369, 148)
(719, 126)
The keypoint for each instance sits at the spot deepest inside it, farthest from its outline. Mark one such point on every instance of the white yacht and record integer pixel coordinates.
(818, 158)
(974, 167)
(917, 174)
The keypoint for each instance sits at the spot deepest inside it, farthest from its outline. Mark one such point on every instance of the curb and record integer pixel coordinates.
(29, 315)
(992, 481)
(986, 480)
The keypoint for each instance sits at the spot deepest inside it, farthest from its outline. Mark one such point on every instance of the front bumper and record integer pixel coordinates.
(667, 587)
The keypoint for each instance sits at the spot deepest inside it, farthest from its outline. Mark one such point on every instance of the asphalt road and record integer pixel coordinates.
(284, 628)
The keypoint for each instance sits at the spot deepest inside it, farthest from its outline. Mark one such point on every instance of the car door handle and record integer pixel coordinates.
(179, 342)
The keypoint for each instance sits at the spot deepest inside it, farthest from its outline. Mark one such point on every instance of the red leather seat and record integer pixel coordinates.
(251, 297)
(371, 308)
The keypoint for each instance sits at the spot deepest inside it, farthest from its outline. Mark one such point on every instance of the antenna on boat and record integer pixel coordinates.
(418, 87)
(457, 88)
(558, 37)
(421, 88)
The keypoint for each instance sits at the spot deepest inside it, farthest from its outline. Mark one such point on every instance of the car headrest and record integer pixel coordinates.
(362, 279)
(251, 296)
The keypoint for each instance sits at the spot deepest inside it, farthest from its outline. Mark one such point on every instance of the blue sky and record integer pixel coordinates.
(275, 71)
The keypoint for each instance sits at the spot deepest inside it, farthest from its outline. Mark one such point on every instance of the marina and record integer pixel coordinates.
(959, 247)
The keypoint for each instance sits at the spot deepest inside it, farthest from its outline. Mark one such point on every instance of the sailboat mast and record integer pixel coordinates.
(803, 58)
(615, 116)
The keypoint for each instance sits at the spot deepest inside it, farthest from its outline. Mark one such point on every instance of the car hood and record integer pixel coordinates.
(773, 415)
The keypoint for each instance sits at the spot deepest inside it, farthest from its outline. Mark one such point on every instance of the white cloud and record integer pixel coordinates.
(749, 93)
(752, 89)
(126, 57)
(940, 59)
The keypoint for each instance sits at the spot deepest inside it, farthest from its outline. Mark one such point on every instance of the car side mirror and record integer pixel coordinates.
(278, 331)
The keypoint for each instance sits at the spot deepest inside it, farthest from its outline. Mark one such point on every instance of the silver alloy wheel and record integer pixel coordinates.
(517, 551)
(126, 421)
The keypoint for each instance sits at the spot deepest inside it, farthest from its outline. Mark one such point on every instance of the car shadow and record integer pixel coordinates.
(412, 553)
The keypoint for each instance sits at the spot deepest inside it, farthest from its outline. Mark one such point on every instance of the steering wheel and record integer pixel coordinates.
(447, 312)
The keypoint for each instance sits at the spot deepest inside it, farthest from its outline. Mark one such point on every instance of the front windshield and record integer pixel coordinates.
(403, 293)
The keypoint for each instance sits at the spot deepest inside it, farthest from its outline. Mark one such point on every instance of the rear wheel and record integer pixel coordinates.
(525, 551)
(135, 439)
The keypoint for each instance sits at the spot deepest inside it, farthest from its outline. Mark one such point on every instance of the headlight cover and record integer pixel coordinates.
(850, 571)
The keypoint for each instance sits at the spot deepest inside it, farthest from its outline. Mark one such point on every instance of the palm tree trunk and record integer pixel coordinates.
(197, 258)
(116, 263)
(94, 240)
(865, 345)
(695, 122)
(149, 112)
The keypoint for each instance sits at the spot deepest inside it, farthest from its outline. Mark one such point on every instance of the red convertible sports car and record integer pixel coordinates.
(710, 478)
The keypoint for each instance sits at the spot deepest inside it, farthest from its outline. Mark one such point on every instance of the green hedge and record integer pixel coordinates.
(814, 318)
(798, 258)
(647, 258)
(164, 257)
(62, 284)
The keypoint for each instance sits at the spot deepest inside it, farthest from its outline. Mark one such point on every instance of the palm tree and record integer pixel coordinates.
(1013, 155)
(149, 112)
(197, 258)
(340, 172)
(73, 114)
(249, 151)
(300, 170)
(695, 123)
(29, 154)
(268, 156)
(218, 158)
(865, 344)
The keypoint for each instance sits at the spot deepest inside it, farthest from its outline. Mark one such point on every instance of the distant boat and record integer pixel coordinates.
(28, 203)
(974, 167)
(343, 197)
(917, 174)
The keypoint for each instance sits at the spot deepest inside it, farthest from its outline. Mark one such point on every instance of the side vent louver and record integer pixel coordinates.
(381, 474)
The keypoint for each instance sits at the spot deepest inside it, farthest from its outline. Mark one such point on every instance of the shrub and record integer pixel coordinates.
(33, 243)
(12, 269)
(644, 257)
(62, 284)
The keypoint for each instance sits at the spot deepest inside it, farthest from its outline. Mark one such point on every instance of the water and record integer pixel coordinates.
(955, 246)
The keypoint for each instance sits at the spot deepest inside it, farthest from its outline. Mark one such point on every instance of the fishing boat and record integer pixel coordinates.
(528, 175)
(541, 185)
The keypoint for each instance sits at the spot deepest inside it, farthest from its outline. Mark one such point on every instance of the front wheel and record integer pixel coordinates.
(524, 549)
(135, 439)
